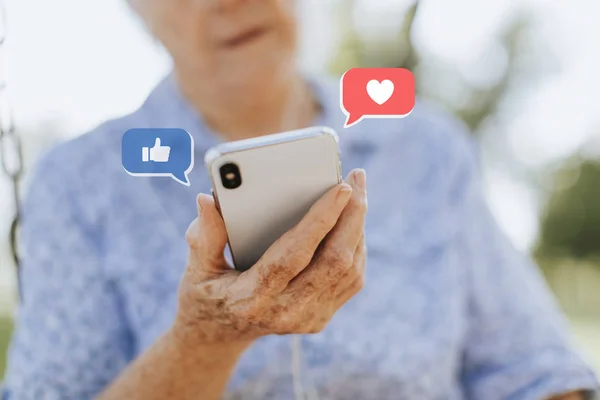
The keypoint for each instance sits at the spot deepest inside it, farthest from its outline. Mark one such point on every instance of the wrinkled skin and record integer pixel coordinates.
(296, 287)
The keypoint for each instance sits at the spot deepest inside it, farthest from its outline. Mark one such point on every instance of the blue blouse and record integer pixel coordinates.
(450, 309)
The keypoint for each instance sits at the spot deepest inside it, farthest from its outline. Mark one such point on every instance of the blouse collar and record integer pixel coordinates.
(168, 104)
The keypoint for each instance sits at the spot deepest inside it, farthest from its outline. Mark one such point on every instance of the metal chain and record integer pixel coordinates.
(11, 154)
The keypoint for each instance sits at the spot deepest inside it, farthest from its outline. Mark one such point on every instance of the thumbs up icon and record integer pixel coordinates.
(157, 153)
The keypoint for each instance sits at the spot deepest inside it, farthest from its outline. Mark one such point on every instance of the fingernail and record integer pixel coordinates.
(360, 177)
(350, 179)
(344, 193)
(199, 204)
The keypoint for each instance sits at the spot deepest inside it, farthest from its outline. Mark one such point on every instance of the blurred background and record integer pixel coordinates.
(523, 74)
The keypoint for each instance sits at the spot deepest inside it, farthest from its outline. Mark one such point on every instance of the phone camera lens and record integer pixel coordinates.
(230, 176)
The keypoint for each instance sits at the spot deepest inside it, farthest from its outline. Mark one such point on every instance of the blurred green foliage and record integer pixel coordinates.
(5, 331)
(570, 227)
(395, 51)
(398, 51)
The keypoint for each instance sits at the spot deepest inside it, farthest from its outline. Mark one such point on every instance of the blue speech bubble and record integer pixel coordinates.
(158, 152)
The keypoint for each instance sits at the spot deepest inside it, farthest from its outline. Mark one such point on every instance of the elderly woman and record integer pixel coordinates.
(123, 298)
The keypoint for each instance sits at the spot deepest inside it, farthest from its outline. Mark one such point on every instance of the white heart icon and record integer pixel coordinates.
(380, 92)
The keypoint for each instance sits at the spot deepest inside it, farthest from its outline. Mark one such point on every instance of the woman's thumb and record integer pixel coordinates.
(207, 237)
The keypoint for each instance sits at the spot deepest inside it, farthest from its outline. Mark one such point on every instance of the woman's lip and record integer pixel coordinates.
(245, 37)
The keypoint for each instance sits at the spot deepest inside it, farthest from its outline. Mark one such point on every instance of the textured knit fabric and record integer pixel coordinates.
(450, 309)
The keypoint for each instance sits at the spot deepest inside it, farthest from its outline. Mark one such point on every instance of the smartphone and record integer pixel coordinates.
(264, 186)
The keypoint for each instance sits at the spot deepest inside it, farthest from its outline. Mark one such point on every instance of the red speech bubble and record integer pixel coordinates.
(376, 93)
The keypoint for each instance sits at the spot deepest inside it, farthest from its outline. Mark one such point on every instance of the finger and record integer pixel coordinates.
(356, 275)
(295, 249)
(350, 289)
(336, 255)
(207, 238)
(157, 142)
(303, 286)
(350, 226)
(347, 294)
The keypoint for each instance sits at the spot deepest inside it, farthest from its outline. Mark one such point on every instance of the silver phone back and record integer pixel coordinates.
(283, 175)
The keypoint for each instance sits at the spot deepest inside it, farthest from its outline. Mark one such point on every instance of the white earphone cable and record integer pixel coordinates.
(297, 367)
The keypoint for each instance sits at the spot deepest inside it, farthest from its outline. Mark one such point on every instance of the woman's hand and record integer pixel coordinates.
(296, 287)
